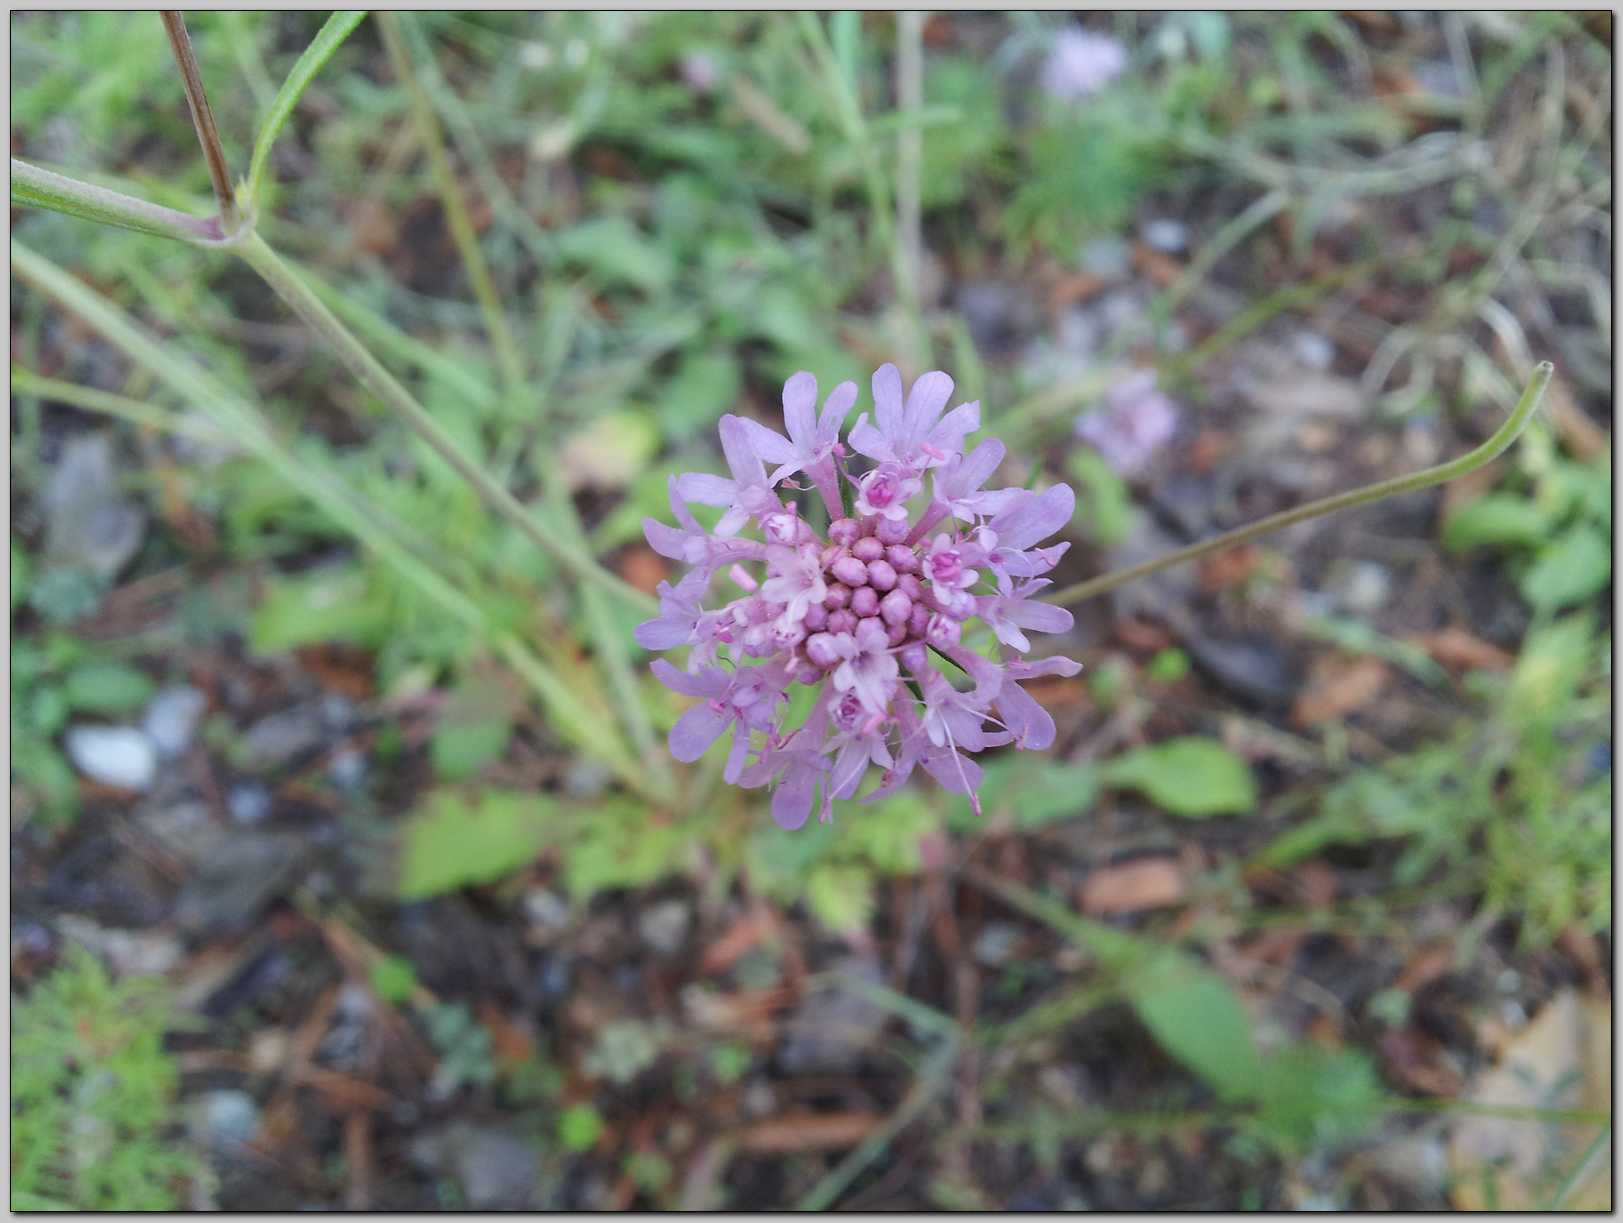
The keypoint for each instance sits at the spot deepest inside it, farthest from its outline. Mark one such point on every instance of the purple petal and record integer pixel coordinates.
(792, 803)
(975, 468)
(925, 401)
(1033, 729)
(695, 731)
(799, 411)
(706, 489)
(1057, 665)
(888, 412)
(665, 633)
(868, 441)
(957, 424)
(709, 683)
(1041, 617)
(1035, 518)
(835, 410)
(666, 540)
(953, 772)
(742, 460)
(767, 443)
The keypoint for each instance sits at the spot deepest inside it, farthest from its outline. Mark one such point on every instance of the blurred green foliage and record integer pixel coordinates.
(92, 1094)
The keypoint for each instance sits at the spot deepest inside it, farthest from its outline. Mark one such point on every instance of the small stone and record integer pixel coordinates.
(664, 926)
(1313, 349)
(995, 944)
(1360, 587)
(348, 769)
(497, 1168)
(277, 738)
(835, 1026)
(1109, 258)
(546, 909)
(88, 523)
(171, 720)
(129, 953)
(248, 803)
(1165, 235)
(113, 755)
(236, 881)
(224, 1120)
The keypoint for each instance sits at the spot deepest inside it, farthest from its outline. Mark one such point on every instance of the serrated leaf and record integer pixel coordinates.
(1501, 519)
(1572, 568)
(1310, 1096)
(1192, 777)
(106, 688)
(326, 606)
(452, 840)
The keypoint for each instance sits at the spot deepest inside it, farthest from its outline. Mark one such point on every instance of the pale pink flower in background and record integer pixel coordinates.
(1080, 64)
(1135, 422)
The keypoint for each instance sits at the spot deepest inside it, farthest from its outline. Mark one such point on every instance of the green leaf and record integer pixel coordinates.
(841, 896)
(1191, 777)
(1574, 567)
(1034, 798)
(1313, 1097)
(1104, 506)
(329, 605)
(108, 688)
(619, 846)
(1501, 519)
(616, 250)
(452, 841)
(1195, 1016)
(579, 1127)
(327, 40)
(475, 728)
(394, 978)
(21, 569)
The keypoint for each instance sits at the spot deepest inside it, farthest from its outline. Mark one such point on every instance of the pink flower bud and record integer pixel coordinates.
(864, 601)
(867, 549)
(914, 657)
(787, 635)
(850, 570)
(896, 608)
(910, 586)
(821, 650)
(902, 559)
(837, 597)
(896, 634)
(816, 617)
(842, 621)
(892, 530)
(844, 531)
(918, 619)
(881, 576)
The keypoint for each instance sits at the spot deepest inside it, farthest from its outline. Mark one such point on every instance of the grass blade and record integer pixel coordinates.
(330, 37)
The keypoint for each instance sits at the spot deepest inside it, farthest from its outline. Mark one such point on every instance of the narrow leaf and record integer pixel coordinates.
(331, 36)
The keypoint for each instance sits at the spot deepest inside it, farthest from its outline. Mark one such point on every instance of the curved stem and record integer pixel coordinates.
(308, 306)
(1482, 455)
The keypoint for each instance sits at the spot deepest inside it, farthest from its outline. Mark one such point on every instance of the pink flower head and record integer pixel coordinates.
(872, 599)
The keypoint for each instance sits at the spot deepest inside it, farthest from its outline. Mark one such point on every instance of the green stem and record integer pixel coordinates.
(33, 187)
(308, 306)
(1482, 455)
(456, 208)
(26, 382)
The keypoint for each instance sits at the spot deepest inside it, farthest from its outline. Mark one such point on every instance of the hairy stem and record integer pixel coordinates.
(202, 117)
(1482, 455)
(33, 187)
(360, 362)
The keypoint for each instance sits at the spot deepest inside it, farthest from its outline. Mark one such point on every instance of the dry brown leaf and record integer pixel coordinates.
(1145, 883)
(1340, 686)
(808, 1131)
(1583, 437)
(1562, 1060)
(1456, 646)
